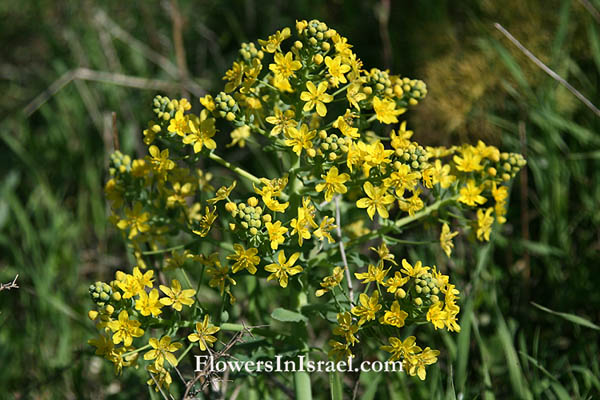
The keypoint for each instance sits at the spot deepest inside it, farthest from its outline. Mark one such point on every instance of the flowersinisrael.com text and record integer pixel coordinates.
(300, 364)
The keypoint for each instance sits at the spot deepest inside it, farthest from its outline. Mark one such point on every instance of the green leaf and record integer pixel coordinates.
(569, 317)
(283, 315)
(335, 385)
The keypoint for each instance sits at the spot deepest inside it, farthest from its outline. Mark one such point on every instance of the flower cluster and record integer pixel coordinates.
(333, 133)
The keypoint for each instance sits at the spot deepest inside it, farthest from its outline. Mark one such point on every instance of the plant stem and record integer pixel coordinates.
(241, 172)
(135, 351)
(342, 250)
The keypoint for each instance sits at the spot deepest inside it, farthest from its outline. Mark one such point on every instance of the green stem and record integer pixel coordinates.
(241, 172)
(135, 351)
(185, 352)
(340, 90)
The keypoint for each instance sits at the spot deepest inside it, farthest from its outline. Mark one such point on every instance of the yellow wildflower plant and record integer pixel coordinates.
(309, 149)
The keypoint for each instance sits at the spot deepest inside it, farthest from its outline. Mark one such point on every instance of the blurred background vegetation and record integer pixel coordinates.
(66, 66)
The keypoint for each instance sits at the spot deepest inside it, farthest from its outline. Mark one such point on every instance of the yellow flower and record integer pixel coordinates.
(125, 329)
(377, 201)
(386, 110)
(500, 194)
(205, 222)
(203, 334)
(282, 121)
(402, 139)
(176, 297)
(148, 304)
(395, 284)
(274, 205)
(272, 43)
(272, 186)
(234, 76)
(403, 178)
(346, 129)
(202, 130)
(373, 274)
(244, 259)
(136, 220)
(300, 226)
(331, 281)
(441, 174)
(354, 94)
(104, 346)
(160, 160)
(446, 239)
(484, 224)
(470, 160)
(276, 232)
(222, 193)
(208, 102)
(336, 70)
(412, 204)
(162, 350)
(419, 361)
(179, 193)
(395, 316)
(179, 124)
(384, 253)
(327, 225)
(368, 307)
(435, 315)
(145, 279)
(413, 272)
(239, 136)
(346, 328)
(130, 286)
(300, 138)
(283, 69)
(283, 268)
(334, 183)
(159, 377)
(316, 97)
(401, 349)
(470, 194)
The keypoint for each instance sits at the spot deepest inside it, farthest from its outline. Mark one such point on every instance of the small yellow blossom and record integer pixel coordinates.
(368, 307)
(401, 349)
(386, 111)
(377, 200)
(202, 129)
(414, 272)
(283, 268)
(162, 350)
(148, 304)
(316, 97)
(336, 70)
(276, 232)
(239, 136)
(334, 183)
(470, 194)
(125, 329)
(484, 224)
(244, 259)
(300, 139)
(176, 297)
(394, 316)
(446, 239)
(331, 281)
(204, 334)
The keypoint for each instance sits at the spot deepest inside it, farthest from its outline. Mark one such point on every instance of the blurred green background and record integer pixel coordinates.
(66, 66)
